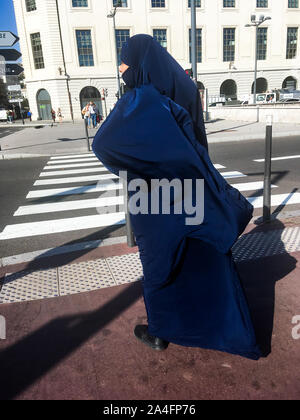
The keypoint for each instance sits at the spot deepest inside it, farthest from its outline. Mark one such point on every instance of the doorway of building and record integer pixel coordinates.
(44, 105)
(90, 94)
(229, 90)
(261, 85)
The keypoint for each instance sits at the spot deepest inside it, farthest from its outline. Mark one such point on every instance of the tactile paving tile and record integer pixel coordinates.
(126, 268)
(84, 276)
(266, 244)
(29, 285)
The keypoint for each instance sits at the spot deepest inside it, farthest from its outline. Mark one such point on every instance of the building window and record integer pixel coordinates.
(84, 48)
(120, 3)
(228, 3)
(122, 35)
(198, 3)
(291, 47)
(293, 4)
(261, 3)
(161, 36)
(158, 3)
(228, 44)
(79, 3)
(37, 51)
(198, 45)
(262, 43)
(30, 5)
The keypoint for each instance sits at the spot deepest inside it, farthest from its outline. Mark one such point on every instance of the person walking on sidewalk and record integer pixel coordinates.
(93, 115)
(29, 115)
(86, 115)
(192, 290)
(53, 114)
(60, 116)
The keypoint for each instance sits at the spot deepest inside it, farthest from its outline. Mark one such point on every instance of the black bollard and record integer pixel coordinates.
(267, 176)
(129, 233)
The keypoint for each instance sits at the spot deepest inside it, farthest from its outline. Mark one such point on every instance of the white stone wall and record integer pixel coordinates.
(139, 17)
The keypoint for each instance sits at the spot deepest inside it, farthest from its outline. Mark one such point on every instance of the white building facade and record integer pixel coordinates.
(68, 46)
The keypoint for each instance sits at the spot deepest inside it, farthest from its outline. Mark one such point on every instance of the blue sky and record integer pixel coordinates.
(7, 18)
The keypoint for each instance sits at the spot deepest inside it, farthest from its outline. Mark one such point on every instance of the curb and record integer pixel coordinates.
(21, 156)
(259, 137)
(249, 137)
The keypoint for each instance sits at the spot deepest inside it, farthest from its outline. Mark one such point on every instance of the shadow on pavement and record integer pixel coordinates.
(26, 361)
(259, 277)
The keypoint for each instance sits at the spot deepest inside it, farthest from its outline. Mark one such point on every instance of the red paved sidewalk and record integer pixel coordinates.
(82, 346)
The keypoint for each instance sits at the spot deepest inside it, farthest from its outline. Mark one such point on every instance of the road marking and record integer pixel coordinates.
(232, 174)
(248, 186)
(276, 200)
(73, 156)
(73, 172)
(74, 165)
(74, 190)
(279, 158)
(75, 179)
(69, 205)
(55, 162)
(49, 227)
(217, 166)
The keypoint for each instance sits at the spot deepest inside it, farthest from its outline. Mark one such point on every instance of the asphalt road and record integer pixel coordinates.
(10, 129)
(18, 176)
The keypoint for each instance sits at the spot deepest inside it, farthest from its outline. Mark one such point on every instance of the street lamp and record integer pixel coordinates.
(112, 15)
(256, 22)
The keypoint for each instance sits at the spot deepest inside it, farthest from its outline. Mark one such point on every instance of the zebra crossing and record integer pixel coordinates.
(76, 193)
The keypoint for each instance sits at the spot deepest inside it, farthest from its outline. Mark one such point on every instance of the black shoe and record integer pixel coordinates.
(141, 332)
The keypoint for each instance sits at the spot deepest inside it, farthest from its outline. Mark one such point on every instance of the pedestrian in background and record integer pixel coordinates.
(191, 287)
(86, 114)
(9, 116)
(60, 116)
(53, 115)
(93, 115)
(29, 115)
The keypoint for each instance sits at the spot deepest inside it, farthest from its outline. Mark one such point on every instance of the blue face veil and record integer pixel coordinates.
(149, 62)
(192, 291)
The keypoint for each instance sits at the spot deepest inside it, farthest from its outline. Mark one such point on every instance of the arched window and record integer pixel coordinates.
(261, 85)
(290, 83)
(229, 89)
(44, 104)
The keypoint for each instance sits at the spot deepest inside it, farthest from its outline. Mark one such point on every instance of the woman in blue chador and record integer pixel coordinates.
(192, 291)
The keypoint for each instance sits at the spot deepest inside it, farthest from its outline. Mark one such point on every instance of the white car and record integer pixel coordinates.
(3, 115)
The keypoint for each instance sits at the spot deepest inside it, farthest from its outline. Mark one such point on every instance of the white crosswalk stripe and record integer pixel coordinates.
(279, 158)
(75, 179)
(58, 204)
(55, 162)
(47, 227)
(85, 155)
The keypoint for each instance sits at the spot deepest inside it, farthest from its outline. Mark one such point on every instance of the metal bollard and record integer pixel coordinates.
(267, 176)
(87, 133)
(129, 233)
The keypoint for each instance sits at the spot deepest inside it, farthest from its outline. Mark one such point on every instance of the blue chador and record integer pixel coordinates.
(192, 291)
